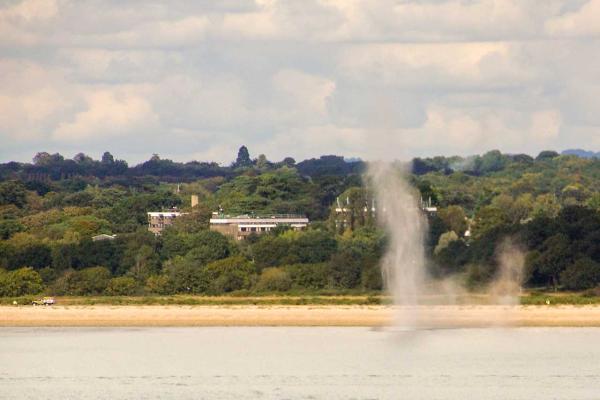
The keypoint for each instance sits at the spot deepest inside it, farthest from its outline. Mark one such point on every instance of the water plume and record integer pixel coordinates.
(403, 265)
(506, 287)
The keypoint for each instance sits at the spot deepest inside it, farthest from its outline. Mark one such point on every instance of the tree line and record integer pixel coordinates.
(49, 211)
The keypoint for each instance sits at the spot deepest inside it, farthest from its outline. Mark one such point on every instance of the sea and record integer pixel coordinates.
(299, 363)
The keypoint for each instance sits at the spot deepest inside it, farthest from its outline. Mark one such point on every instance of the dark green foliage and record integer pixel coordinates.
(274, 280)
(121, 286)
(451, 259)
(50, 209)
(228, 275)
(9, 227)
(346, 269)
(491, 161)
(243, 158)
(371, 278)
(309, 276)
(197, 249)
(312, 246)
(546, 155)
(159, 284)
(329, 166)
(36, 255)
(105, 252)
(88, 281)
(270, 251)
(582, 274)
(183, 277)
(554, 258)
(13, 192)
(436, 228)
(21, 282)
(207, 246)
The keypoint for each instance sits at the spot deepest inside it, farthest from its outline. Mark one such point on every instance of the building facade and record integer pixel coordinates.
(240, 227)
(159, 220)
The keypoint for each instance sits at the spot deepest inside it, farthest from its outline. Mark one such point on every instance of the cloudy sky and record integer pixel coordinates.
(373, 79)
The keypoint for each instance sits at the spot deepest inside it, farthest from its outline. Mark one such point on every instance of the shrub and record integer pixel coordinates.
(159, 284)
(274, 279)
(229, 274)
(372, 278)
(309, 276)
(183, 277)
(346, 269)
(21, 282)
(88, 281)
(121, 286)
(582, 274)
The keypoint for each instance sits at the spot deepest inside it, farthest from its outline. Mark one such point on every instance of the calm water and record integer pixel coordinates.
(299, 363)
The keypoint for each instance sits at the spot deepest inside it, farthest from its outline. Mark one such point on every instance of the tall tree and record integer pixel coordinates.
(243, 158)
(107, 158)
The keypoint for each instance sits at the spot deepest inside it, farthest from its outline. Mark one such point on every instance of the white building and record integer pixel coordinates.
(241, 226)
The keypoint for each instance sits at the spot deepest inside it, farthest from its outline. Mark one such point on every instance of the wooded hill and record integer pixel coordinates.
(49, 210)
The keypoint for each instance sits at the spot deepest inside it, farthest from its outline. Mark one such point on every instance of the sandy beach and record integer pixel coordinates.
(273, 315)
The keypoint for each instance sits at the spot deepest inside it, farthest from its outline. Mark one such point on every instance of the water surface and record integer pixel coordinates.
(299, 363)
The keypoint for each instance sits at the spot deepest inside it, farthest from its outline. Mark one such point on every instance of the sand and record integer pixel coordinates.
(369, 316)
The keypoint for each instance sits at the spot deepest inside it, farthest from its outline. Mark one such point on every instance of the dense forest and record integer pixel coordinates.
(50, 210)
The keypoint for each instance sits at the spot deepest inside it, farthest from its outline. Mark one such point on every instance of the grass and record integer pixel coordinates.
(210, 300)
(302, 298)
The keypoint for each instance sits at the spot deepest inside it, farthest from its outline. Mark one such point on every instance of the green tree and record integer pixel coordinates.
(13, 192)
(88, 281)
(193, 222)
(207, 246)
(444, 241)
(158, 284)
(582, 274)
(228, 275)
(21, 282)
(346, 269)
(555, 257)
(243, 158)
(274, 280)
(547, 155)
(121, 286)
(454, 217)
(309, 276)
(183, 277)
(146, 263)
(270, 251)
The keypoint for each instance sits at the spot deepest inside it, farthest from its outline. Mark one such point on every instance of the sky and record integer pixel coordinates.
(380, 79)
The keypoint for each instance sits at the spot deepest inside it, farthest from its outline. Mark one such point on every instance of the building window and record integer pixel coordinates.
(253, 229)
(243, 229)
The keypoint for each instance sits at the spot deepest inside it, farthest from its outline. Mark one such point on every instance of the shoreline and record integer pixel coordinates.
(376, 316)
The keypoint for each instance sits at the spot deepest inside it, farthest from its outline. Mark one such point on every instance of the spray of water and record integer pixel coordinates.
(403, 265)
(506, 286)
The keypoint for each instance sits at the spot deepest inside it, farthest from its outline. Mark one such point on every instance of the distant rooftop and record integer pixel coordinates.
(253, 216)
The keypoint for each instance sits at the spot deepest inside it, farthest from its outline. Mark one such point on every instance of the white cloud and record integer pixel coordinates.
(305, 96)
(545, 125)
(108, 113)
(480, 64)
(377, 79)
(582, 22)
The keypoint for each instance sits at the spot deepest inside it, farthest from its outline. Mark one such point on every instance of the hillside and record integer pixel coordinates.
(50, 210)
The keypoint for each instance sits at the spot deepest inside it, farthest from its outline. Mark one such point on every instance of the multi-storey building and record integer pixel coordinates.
(159, 220)
(241, 226)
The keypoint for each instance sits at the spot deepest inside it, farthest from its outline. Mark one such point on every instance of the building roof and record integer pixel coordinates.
(263, 220)
(165, 213)
(104, 236)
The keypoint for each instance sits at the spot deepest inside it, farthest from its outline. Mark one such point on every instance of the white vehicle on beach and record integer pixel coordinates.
(46, 301)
